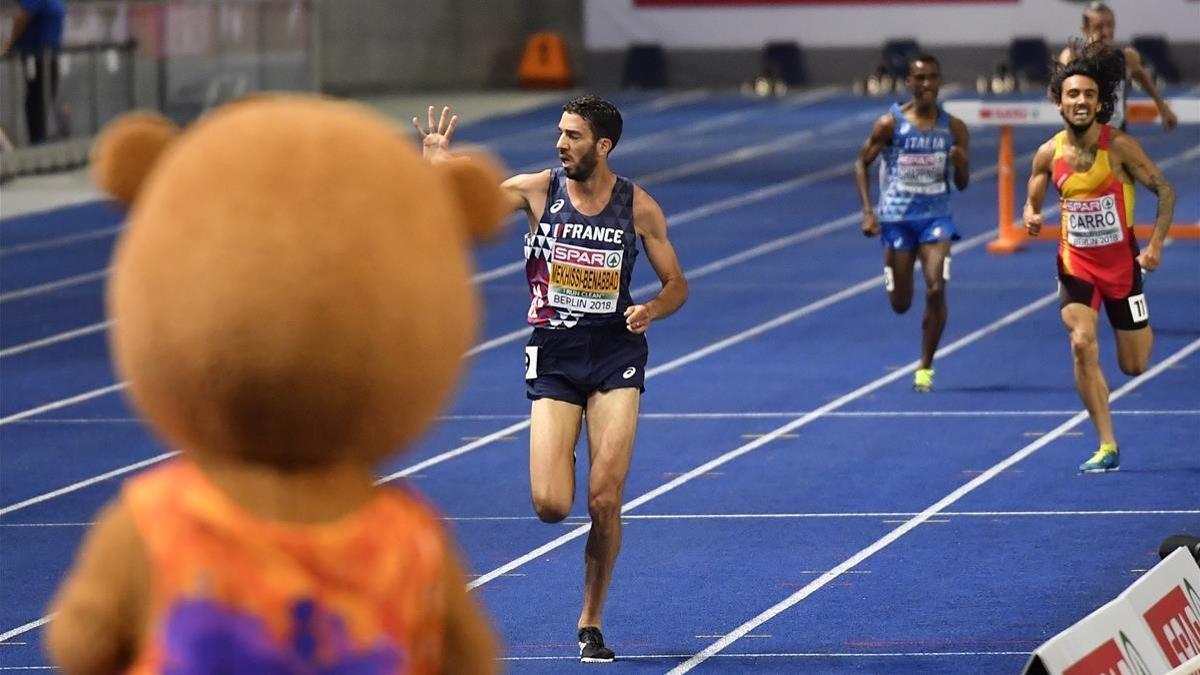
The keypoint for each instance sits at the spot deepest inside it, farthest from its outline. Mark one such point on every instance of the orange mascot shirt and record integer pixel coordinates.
(233, 593)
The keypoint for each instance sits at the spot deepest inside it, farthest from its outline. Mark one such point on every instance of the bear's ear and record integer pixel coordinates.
(126, 151)
(474, 180)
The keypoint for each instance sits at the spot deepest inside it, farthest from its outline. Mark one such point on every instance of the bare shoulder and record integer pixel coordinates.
(1132, 57)
(643, 203)
(648, 216)
(1125, 147)
(1044, 155)
(529, 182)
(957, 126)
(527, 191)
(885, 124)
(1123, 142)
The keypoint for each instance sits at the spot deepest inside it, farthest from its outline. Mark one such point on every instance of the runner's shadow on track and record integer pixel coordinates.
(1173, 471)
(1175, 332)
(1009, 388)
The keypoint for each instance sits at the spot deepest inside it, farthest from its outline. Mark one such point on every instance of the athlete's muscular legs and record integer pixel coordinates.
(1080, 321)
(900, 279)
(611, 424)
(933, 259)
(1133, 349)
(554, 428)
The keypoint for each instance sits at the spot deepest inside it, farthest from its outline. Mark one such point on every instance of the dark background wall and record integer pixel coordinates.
(825, 65)
(395, 45)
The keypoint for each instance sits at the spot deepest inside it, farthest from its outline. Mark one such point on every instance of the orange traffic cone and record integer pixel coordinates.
(545, 63)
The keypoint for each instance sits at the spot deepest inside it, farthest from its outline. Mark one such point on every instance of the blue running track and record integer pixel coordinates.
(785, 481)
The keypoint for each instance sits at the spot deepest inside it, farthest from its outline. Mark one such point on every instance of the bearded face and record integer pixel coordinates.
(1079, 103)
(577, 147)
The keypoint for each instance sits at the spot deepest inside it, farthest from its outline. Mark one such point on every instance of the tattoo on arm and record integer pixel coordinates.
(1166, 202)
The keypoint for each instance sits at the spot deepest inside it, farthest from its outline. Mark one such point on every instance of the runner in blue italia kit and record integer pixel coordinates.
(920, 143)
(588, 349)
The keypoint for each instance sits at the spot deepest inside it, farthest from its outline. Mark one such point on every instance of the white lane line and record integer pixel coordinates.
(759, 655)
(870, 414)
(46, 524)
(53, 285)
(902, 514)
(62, 403)
(26, 628)
(80, 420)
(84, 483)
(682, 98)
(782, 655)
(786, 414)
(915, 521)
(759, 442)
(59, 241)
(775, 516)
(55, 339)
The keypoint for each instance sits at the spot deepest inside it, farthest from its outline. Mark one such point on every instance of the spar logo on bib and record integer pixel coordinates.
(1092, 222)
(922, 173)
(584, 279)
(1175, 622)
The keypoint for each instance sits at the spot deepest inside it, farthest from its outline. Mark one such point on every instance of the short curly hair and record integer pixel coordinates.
(1099, 62)
(602, 116)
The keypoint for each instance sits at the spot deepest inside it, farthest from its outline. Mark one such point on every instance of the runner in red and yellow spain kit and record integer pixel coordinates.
(1094, 167)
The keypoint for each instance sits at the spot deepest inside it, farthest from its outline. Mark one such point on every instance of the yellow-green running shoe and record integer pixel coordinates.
(923, 380)
(1105, 459)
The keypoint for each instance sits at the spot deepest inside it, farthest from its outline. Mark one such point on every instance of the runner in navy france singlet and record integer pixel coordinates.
(579, 266)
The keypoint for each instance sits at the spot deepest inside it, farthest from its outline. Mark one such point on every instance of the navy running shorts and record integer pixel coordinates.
(570, 364)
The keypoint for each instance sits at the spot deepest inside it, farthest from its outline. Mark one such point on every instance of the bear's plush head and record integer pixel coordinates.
(293, 285)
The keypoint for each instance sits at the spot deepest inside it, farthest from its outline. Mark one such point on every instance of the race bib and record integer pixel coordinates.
(585, 279)
(1092, 222)
(531, 358)
(923, 174)
(1137, 308)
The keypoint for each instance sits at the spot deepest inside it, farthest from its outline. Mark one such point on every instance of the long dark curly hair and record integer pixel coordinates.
(1102, 63)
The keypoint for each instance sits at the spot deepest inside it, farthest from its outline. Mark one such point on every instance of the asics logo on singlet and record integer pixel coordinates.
(629, 372)
(557, 205)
